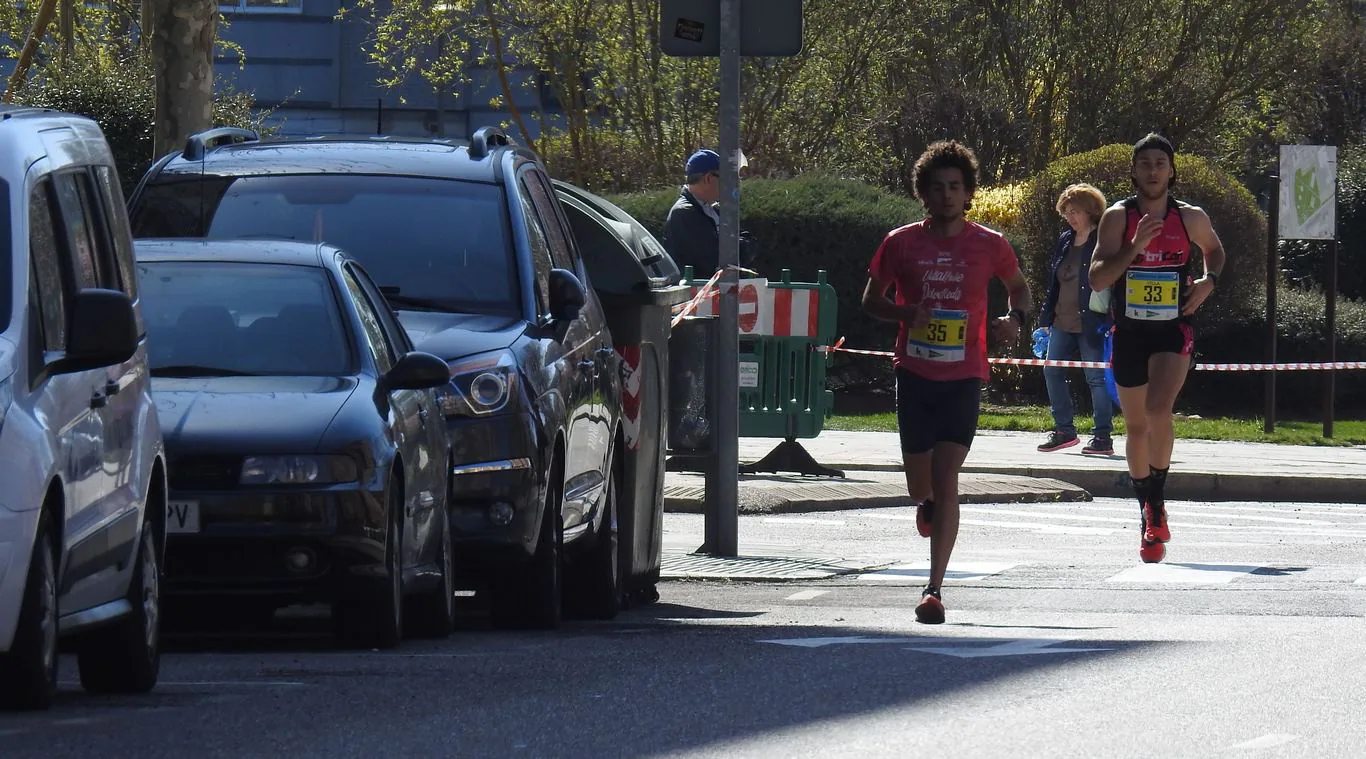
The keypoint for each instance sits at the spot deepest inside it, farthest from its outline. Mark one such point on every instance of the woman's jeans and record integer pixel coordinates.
(1073, 346)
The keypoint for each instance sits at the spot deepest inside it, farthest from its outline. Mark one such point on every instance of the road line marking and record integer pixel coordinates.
(803, 520)
(209, 683)
(806, 595)
(1360, 581)
(1270, 740)
(1184, 574)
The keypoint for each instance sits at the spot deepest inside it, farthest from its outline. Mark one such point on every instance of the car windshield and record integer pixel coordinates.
(6, 257)
(220, 319)
(432, 244)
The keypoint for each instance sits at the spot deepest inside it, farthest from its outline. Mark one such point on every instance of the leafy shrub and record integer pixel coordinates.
(1304, 261)
(807, 224)
(1238, 220)
(117, 92)
(999, 207)
(1301, 335)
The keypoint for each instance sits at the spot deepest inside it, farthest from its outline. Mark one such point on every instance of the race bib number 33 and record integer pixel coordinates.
(943, 338)
(1152, 296)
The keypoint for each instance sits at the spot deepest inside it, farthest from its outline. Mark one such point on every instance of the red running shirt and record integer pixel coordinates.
(950, 275)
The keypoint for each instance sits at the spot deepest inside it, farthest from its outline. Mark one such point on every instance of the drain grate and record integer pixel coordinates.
(750, 568)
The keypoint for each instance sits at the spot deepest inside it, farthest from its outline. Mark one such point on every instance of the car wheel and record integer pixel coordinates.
(594, 581)
(28, 671)
(375, 620)
(529, 596)
(126, 656)
(433, 614)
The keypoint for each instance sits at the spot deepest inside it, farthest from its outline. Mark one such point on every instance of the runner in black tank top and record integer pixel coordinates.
(1145, 252)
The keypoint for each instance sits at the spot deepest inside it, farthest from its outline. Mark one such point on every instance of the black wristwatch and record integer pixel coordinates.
(1018, 316)
(1214, 277)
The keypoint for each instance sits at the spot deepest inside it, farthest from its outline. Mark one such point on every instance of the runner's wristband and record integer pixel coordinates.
(1214, 276)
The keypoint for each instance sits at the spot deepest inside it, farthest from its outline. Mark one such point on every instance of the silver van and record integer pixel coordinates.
(82, 468)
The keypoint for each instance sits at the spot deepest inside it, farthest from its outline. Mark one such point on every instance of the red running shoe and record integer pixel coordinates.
(1152, 553)
(924, 517)
(1155, 529)
(931, 608)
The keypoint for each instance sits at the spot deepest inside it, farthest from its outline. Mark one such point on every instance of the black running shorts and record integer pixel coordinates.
(935, 411)
(1134, 346)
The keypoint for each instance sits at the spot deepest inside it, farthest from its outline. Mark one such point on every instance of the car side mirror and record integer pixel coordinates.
(104, 332)
(417, 370)
(567, 296)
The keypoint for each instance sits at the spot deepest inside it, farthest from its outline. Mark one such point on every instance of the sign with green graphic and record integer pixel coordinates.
(1308, 202)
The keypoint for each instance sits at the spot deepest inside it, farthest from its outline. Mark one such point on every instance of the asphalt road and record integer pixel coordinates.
(1246, 642)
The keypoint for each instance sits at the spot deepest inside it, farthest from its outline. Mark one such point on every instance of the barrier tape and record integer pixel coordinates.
(704, 293)
(838, 347)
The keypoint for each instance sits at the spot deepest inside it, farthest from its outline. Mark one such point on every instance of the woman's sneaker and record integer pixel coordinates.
(931, 608)
(1057, 441)
(1099, 446)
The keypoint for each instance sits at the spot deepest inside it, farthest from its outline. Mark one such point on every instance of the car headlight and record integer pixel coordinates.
(481, 385)
(298, 470)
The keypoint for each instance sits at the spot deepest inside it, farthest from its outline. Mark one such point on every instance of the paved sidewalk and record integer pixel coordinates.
(860, 489)
(1201, 469)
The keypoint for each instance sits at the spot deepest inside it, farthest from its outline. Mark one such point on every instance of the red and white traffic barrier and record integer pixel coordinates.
(763, 309)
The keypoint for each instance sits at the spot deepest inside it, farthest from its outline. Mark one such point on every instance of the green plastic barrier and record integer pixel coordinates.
(783, 327)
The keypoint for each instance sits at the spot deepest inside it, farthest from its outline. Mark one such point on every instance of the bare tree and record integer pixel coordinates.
(181, 36)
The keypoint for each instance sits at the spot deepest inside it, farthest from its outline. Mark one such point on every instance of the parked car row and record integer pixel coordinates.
(363, 372)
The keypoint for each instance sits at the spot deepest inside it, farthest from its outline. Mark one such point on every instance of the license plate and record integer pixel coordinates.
(182, 516)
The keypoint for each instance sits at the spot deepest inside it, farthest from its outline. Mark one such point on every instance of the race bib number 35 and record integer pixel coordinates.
(943, 338)
(1152, 296)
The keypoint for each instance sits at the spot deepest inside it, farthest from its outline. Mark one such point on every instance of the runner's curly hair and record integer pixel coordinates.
(945, 154)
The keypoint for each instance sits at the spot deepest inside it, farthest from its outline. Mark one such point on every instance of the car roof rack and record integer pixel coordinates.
(198, 144)
(485, 137)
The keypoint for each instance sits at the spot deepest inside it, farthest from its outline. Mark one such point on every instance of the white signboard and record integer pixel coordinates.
(1308, 192)
(749, 374)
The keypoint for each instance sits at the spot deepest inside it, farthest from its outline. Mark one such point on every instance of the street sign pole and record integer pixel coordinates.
(723, 476)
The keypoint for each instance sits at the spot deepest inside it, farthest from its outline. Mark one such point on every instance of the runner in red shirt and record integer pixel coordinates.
(940, 268)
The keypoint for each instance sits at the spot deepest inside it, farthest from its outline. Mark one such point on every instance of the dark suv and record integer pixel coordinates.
(471, 247)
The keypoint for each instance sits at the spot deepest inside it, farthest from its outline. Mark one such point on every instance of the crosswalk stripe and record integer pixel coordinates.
(918, 572)
(806, 595)
(1184, 574)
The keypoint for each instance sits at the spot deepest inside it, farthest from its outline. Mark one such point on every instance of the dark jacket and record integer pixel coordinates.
(1090, 320)
(691, 237)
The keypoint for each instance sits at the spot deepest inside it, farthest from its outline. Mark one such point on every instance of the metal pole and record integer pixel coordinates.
(723, 476)
(1331, 308)
(1273, 269)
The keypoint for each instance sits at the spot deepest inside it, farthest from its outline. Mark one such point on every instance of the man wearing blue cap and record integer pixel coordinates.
(690, 231)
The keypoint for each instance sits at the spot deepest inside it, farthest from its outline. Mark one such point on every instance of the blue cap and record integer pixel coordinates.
(702, 162)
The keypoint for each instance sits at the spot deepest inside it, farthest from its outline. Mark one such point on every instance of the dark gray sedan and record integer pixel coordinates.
(308, 456)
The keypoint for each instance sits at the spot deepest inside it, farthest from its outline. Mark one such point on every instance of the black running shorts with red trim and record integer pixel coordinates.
(1133, 346)
(936, 411)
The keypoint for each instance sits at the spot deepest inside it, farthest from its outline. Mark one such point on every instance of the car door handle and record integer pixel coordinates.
(422, 414)
(97, 400)
(112, 388)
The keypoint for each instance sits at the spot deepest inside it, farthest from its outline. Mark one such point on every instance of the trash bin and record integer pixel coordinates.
(637, 283)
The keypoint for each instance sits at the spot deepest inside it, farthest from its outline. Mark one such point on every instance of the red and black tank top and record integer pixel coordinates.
(1152, 289)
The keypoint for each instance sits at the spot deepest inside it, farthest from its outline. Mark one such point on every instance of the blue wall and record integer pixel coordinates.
(310, 69)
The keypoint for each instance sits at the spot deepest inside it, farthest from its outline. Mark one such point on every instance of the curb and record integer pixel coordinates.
(1184, 486)
(759, 499)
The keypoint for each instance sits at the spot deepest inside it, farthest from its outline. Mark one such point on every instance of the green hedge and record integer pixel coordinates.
(1237, 219)
(118, 94)
(806, 224)
(1303, 262)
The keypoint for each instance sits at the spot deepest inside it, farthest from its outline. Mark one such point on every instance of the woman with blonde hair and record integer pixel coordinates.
(1075, 330)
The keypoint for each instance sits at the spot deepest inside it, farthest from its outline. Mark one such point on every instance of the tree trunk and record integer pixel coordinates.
(182, 35)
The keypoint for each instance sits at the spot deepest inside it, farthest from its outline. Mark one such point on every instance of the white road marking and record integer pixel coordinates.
(1184, 574)
(1270, 740)
(916, 573)
(1360, 581)
(806, 595)
(1020, 647)
(1044, 529)
(803, 520)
